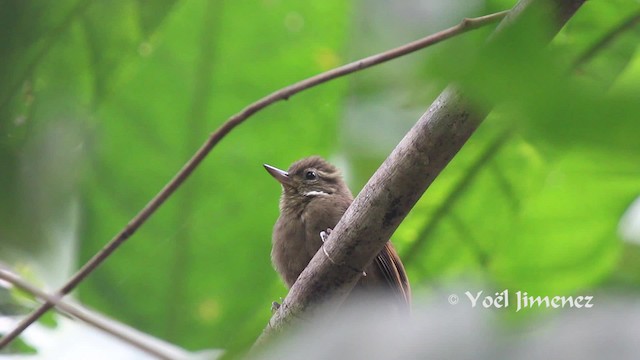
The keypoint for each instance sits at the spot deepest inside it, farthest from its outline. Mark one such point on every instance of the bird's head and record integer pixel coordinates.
(308, 178)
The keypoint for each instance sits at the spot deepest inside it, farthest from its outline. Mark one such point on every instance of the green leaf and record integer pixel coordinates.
(201, 264)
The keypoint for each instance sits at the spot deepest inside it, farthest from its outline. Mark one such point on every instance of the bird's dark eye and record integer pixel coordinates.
(310, 175)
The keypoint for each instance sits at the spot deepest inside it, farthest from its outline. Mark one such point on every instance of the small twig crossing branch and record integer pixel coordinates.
(283, 94)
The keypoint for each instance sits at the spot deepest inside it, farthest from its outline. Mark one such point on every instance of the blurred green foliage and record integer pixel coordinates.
(101, 103)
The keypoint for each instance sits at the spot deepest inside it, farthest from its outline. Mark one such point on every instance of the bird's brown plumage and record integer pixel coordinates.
(314, 198)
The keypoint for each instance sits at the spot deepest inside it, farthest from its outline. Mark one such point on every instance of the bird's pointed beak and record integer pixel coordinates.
(280, 175)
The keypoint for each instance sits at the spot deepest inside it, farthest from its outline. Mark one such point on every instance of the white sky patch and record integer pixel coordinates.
(629, 226)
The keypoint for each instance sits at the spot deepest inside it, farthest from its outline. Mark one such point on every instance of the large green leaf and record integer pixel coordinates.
(201, 265)
(101, 103)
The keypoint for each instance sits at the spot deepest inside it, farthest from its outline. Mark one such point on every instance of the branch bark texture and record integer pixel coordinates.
(397, 185)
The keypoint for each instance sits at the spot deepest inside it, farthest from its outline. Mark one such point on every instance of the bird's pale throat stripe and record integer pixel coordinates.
(315, 193)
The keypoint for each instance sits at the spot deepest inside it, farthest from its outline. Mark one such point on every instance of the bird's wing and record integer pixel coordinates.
(393, 271)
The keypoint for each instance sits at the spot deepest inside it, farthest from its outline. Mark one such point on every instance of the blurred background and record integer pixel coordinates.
(101, 103)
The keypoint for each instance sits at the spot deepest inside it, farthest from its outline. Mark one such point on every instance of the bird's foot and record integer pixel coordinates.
(324, 235)
(275, 306)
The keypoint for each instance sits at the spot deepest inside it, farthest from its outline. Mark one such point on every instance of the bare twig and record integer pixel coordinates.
(80, 314)
(231, 123)
(396, 186)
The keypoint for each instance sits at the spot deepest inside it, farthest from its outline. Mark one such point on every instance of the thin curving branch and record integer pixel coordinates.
(80, 314)
(396, 186)
(235, 120)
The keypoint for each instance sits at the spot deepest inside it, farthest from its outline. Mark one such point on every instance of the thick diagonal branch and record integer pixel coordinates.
(398, 184)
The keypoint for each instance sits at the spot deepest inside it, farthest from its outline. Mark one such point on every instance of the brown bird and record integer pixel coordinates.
(314, 198)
